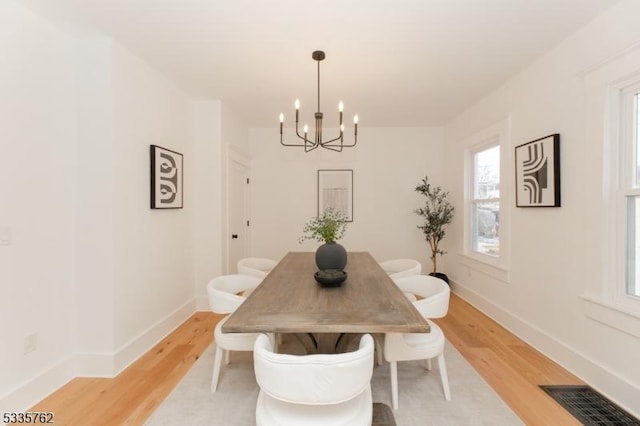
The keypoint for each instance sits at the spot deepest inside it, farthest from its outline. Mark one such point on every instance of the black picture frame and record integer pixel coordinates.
(166, 178)
(335, 189)
(537, 166)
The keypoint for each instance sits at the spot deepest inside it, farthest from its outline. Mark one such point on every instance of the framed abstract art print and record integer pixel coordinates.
(166, 178)
(538, 173)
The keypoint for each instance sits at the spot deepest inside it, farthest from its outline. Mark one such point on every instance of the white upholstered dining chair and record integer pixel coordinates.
(434, 303)
(224, 298)
(313, 390)
(399, 268)
(256, 266)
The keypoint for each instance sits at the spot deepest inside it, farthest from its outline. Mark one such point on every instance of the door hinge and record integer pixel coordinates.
(247, 223)
(247, 181)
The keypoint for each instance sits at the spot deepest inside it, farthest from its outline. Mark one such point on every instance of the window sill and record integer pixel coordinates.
(613, 315)
(485, 266)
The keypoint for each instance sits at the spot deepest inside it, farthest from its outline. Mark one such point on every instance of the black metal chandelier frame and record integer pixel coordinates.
(335, 144)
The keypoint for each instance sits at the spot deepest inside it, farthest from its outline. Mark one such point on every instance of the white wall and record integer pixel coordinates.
(387, 165)
(153, 249)
(208, 214)
(235, 133)
(96, 274)
(94, 207)
(135, 269)
(37, 197)
(556, 253)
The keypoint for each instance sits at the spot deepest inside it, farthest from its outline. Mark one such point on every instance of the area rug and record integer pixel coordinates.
(421, 400)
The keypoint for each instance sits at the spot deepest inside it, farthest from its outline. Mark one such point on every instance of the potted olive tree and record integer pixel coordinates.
(327, 228)
(436, 213)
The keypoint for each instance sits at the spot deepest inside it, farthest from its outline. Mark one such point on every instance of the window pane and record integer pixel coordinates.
(633, 245)
(485, 219)
(486, 228)
(487, 173)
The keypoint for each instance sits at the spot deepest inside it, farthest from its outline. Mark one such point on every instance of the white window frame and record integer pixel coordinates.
(606, 85)
(495, 266)
(628, 186)
(620, 181)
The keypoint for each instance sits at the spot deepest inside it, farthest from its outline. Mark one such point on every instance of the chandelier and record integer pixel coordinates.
(335, 144)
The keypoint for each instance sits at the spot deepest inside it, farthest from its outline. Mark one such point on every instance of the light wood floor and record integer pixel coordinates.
(509, 365)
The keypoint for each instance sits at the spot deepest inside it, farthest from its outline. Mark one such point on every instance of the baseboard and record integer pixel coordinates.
(36, 389)
(94, 364)
(138, 346)
(600, 378)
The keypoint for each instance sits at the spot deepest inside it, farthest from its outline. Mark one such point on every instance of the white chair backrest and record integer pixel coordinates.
(223, 291)
(399, 268)
(435, 293)
(317, 379)
(255, 266)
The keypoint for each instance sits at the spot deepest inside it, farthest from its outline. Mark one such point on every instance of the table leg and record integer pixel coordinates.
(308, 342)
(346, 341)
(326, 343)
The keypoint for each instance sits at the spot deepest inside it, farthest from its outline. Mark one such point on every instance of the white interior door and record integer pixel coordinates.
(238, 213)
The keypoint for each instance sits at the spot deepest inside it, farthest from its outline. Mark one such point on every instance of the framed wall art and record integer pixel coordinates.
(538, 173)
(335, 189)
(166, 178)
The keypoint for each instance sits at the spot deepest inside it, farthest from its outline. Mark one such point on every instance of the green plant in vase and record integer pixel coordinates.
(436, 213)
(327, 228)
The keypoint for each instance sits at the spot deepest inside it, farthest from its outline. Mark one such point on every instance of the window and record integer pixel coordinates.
(486, 211)
(630, 183)
(485, 201)
(614, 88)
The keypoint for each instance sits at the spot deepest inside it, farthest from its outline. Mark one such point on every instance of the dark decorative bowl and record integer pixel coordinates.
(330, 277)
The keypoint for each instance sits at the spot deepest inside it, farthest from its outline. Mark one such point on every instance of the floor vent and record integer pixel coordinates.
(589, 406)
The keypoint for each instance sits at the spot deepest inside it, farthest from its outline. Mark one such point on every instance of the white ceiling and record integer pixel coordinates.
(396, 63)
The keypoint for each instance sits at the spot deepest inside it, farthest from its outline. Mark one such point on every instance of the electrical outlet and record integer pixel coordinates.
(30, 343)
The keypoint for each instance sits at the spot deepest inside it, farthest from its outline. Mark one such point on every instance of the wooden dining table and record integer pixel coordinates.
(326, 319)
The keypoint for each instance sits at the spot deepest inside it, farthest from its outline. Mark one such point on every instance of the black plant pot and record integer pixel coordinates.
(331, 256)
(440, 275)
